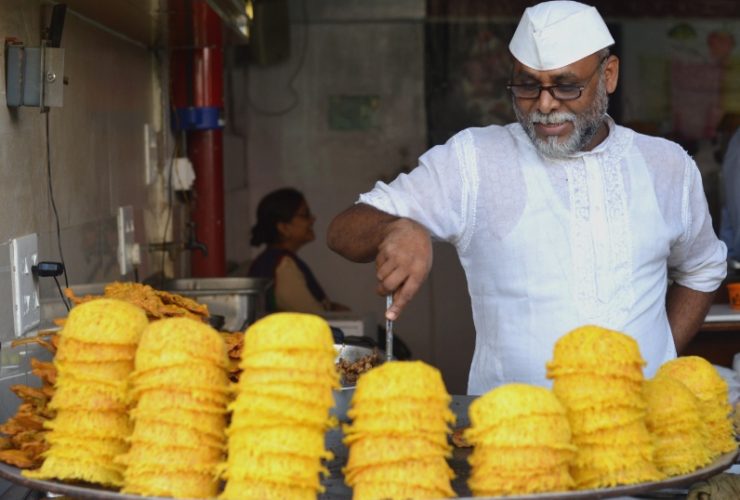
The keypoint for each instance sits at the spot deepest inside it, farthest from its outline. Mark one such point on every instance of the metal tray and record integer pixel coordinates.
(337, 490)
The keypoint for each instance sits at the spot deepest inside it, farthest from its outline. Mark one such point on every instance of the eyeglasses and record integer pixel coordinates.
(561, 92)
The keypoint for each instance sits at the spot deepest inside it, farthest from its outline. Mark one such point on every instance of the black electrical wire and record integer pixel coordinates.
(59, 287)
(54, 209)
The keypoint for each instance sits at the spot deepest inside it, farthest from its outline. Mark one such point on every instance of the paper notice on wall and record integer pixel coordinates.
(183, 174)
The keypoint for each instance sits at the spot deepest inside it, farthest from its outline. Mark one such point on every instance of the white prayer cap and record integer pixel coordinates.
(554, 34)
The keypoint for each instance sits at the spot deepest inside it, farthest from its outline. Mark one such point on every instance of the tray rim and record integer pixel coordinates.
(720, 464)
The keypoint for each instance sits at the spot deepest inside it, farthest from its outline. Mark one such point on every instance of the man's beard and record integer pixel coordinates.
(585, 126)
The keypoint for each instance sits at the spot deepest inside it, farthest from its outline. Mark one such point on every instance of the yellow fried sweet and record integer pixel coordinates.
(184, 376)
(109, 424)
(209, 423)
(179, 341)
(289, 331)
(105, 321)
(697, 374)
(319, 395)
(160, 433)
(71, 349)
(106, 372)
(240, 489)
(80, 470)
(292, 440)
(591, 345)
(521, 458)
(172, 484)
(513, 401)
(711, 391)
(529, 430)
(375, 450)
(399, 444)
(522, 442)
(159, 399)
(281, 409)
(398, 379)
(500, 482)
(427, 472)
(373, 490)
(593, 391)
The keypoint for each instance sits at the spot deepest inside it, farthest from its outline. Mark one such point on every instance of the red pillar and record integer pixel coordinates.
(196, 72)
(206, 153)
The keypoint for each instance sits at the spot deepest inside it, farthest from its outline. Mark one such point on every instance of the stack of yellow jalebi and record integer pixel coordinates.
(522, 442)
(679, 433)
(598, 377)
(398, 436)
(281, 411)
(93, 361)
(181, 390)
(711, 390)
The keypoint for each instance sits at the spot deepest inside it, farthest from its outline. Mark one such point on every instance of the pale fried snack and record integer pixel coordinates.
(156, 303)
(24, 441)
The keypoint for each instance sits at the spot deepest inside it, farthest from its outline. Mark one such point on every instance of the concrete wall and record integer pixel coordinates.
(279, 134)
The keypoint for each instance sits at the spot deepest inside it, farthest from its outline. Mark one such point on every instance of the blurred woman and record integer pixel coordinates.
(285, 224)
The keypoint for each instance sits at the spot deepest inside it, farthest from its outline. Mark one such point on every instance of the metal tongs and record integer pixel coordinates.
(388, 329)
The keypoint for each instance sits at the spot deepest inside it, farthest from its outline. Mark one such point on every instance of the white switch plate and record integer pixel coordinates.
(24, 253)
(126, 242)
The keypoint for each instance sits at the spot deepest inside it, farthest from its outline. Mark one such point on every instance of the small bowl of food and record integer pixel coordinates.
(351, 362)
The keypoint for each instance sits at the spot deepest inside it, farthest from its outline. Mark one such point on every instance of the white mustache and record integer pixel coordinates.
(554, 117)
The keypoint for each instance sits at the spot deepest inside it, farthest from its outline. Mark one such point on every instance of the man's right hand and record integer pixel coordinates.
(403, 262)
(401, 248)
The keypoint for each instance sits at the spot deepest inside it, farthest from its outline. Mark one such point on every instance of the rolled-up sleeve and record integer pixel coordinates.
(698, 260)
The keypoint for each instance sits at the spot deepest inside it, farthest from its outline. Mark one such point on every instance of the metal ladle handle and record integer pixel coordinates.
(388, 329)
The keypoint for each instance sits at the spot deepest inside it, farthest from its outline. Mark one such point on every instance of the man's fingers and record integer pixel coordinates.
(402, 297)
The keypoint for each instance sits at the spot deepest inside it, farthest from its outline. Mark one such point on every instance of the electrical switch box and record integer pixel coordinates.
(26, 307)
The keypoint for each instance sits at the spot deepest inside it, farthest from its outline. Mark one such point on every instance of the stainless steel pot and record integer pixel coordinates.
(241, 301)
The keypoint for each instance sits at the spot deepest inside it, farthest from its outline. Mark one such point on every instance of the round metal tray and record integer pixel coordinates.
(335, 489)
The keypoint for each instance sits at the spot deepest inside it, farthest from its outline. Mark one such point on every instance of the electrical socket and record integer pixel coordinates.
(127, 248)
(24, 254)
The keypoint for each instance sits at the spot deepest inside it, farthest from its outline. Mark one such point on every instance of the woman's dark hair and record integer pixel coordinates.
(278, 206)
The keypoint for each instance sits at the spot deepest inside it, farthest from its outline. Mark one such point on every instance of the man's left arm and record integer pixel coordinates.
(697, 263)
(686, 309)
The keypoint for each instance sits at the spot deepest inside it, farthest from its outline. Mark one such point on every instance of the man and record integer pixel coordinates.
(560, 220)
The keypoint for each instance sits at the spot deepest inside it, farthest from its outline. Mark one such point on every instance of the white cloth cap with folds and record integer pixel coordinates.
(551, 35)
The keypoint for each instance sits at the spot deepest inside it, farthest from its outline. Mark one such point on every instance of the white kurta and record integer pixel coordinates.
(548, 246)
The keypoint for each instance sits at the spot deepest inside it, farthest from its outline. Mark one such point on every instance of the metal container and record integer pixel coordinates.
(343, 395)
(241, 301)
